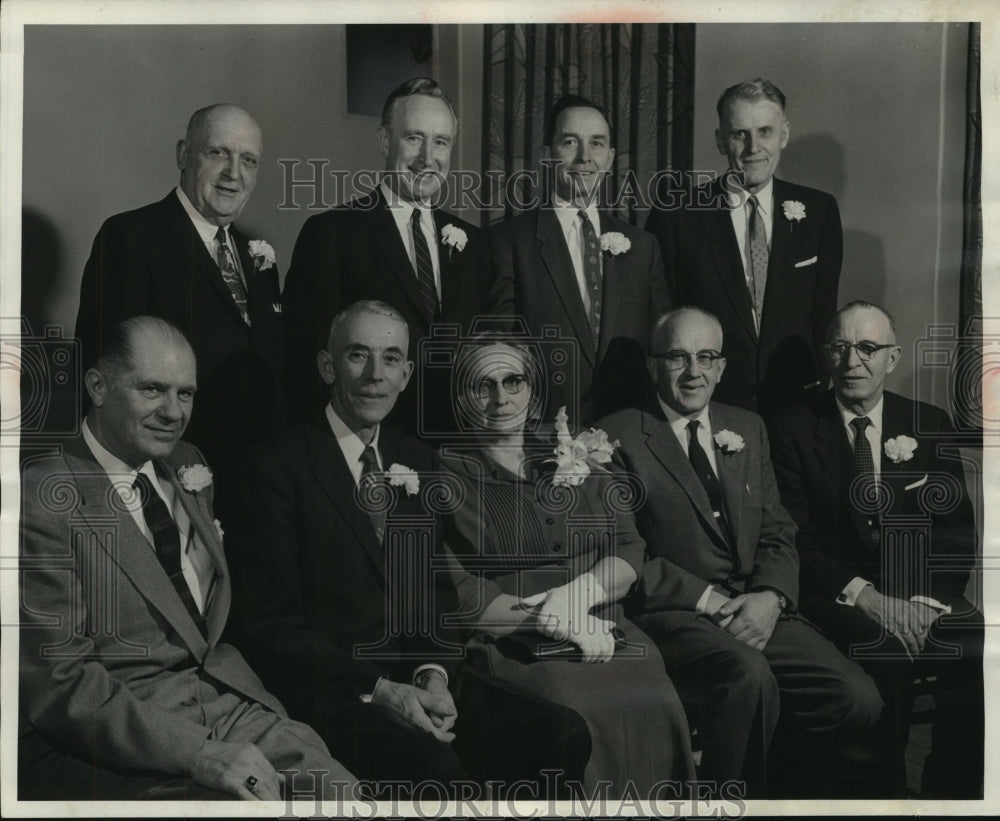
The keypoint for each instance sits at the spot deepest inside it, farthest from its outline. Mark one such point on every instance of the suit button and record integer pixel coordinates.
(550, 521)
(556, 547)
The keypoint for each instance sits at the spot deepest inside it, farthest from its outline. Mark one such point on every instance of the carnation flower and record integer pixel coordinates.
(194, 477)
(615, 243)
(402, 476)
(793, 210)
(728, 442)
(900, 448)
(454, 237)
(262, 254)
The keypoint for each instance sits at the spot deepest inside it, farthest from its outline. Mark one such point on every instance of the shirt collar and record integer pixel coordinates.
(874, 415)
(568, 214)
(679, 423)
(112, 465)
(350, 443)
(765, 198)
(206, 230)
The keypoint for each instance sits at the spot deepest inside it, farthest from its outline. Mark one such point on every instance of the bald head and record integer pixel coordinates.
(686, 362)
(218, 159)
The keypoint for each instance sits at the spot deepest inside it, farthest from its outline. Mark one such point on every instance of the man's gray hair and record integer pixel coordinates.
(754, 91)
(364, 306)
(117, 353)
(415, 85)
(861, 303)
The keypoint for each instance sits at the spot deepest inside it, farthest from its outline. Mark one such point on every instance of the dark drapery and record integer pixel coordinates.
(970, 370)
(641, 73)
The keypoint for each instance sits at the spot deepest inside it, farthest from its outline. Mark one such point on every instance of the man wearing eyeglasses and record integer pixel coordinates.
(719, 589)
(887, 538)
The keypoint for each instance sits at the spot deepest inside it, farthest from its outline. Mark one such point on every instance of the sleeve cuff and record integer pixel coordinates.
(366, 698)
(424, 667)
(934, 604)
(849, 595)
(702, 604)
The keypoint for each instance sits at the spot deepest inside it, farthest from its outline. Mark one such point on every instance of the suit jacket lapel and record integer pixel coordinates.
(382, 226)
(834, 452)
(554, 253)
(335, 478)
(615, 273)
(663, 444)
(779, 262)
(135, 556)
(189, 239)
(721, 238)
(217, 607)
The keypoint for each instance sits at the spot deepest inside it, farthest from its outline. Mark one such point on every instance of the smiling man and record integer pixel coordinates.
(762, 254)
(887, 538)
(719, 589)
(394, 244)
(568, 265)
(126, 690)
(182, 259)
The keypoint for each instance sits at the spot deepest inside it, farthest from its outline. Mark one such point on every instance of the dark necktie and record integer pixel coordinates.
(592, 275)
(758, 260)
(701, 465)
(231, 273)
(167, 542)
(371, 476)
(864, 466)
(425, 269)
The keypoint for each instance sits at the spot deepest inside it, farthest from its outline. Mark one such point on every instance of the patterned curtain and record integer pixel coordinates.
(970, 370)
(641, 74)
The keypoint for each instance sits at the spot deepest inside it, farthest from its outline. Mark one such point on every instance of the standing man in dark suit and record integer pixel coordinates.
(760, 253)
(126, 692)
(182, 259)
(596, 278)
(719, 589)
(887, 537)
(390, 245)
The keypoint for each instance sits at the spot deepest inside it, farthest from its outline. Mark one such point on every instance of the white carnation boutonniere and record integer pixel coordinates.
(402, 476)
(454, 239)
(262, 255)
(218, 528)
(576, 458)
(793, 210)
(728, 442)
(615, 243)
(194, 477)
(900, 448)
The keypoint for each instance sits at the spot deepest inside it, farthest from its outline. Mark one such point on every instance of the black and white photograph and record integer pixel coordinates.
(491, 410)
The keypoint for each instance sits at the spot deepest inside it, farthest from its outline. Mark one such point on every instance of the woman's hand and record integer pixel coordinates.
(595, 640)
(564, 611)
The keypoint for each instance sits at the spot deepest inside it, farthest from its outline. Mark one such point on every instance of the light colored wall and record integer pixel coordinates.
(104, 107)
(877, 119)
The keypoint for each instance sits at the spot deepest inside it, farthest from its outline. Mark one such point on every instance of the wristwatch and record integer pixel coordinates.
(782, 598)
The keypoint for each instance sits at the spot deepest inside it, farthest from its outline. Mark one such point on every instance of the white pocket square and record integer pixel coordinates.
(806, 262)
(916, 484)
(277, 307)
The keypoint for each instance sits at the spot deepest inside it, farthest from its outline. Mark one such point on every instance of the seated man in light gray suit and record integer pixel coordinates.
(719, 588)
(125, 691)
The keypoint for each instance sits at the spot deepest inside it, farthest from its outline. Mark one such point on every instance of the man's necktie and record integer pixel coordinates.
(703, 467)
(592, 275)
(758, 259)
(167, 542)
(231, 273)
(425, 269)
(371, 476)
(864, 466)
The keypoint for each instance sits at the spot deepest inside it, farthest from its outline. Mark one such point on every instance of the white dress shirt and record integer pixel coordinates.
(569, 219)
(402, 213)
(350, 443)
(196, 563)
(207, 231)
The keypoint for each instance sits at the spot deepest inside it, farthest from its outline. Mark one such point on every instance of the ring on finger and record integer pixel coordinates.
(251, 782)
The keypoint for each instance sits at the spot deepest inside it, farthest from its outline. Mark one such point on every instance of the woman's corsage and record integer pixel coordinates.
(615, 243)
(194, 477)
(728, 442)
(402, 476)
(575, 458)
(900, 448)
